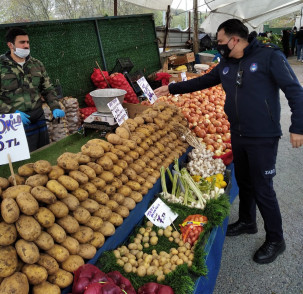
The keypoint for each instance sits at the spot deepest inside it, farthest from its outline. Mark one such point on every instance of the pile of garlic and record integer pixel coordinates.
(203, 164)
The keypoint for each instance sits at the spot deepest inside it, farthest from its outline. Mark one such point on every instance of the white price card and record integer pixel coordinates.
(147, 90)
(118, 111)
(160, 214)
(13, 140)
(183, 76)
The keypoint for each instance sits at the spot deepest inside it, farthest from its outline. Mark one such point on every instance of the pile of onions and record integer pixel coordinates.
(204, 111)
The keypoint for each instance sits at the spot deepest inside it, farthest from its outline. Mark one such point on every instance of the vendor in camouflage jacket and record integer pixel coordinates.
(23, 83)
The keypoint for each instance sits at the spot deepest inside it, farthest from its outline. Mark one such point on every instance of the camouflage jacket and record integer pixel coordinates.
(22, 88)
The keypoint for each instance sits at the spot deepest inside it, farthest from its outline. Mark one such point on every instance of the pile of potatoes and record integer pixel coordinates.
(133, 259)
(56, 217)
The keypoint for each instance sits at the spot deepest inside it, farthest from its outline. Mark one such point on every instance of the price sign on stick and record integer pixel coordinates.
(13, 142)
(147, 90)
(160, 214)
(118, 111)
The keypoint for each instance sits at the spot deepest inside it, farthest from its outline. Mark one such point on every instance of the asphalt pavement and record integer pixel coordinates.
(239, 274)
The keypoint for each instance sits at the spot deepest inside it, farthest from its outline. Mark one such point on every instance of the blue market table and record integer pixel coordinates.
(213, 247)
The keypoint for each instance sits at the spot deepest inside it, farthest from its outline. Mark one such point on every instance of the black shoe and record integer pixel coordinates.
(239, 228)
(269, 251)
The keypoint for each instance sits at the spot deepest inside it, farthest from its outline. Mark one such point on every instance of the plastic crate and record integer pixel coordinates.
(132, 80)
(122, 65)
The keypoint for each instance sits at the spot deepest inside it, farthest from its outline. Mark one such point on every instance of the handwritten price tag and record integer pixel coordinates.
(160, 214)
(147, 90)
(118, 111)
(183, 76)
(13, 140)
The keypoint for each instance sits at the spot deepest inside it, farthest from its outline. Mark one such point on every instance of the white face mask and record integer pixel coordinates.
(22, 53)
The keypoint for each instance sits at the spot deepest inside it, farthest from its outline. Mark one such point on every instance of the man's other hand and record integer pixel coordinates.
(161, 91)
(296, 140)
(58, 113)
(24, 117)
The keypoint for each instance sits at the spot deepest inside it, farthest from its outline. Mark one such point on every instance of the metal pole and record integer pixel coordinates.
(196, 40)
(167, 26)
(115, 7)
(100, 45)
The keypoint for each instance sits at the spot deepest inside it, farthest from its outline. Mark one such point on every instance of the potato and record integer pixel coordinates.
(133, 185)
(119, 198)
(36, 274)
(71, 202)
(130, 173)
(109, 190)
(46, 288)
(8, 234)
(140, 180)
(117, 183)
(59, 209)
(122, 132)
(116, 219)
(129, 203)
(80, 194)
(128, 159)
(27, 203)
(44, 241)
(92, 150)
(16, 283)
(131, 124)
(82, 158)
(68, 182)
(61, 278)
(68, 161)
(119, 153)
(81, 214)
(143, 190)
(42, 167)
(9, 210)
(136, 196)
(123, 148)
(72, 263)
(134, 137)
(107, 176)
(45, 217)
(114, 139)
(107, 229)
(122, 210)
(37, 180)
(137, 168)
(83, 235)
(90, 172)
(102, 143)
(117, 170)
(27, 251)
(58, 252)
(131, 144)
(124, 190)
(123, 178)
(8, 261)
(26, 170)
(112, 204)
(103, 212)
(89, 187)
(49, 263)
(112, 156)
(100, 197)
(87, 251)
(98, 182)
(139, 120)
(12, 192)
(28, 228)
(105, 162)
(58, 189)
(19, 180)
(98, 240)
(55, 172)
(71, 244)
(90, 204)
(44, 195)
(94, 223)
(148, 184)
(96, 167)
(57, 232)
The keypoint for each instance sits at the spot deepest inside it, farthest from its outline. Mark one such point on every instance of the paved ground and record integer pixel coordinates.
(238, 273)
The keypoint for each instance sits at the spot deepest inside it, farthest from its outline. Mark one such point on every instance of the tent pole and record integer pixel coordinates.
(196, 40)
(166, 26)
(115, 7)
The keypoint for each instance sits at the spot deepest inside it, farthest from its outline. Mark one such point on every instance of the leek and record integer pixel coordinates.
(170, 175)
(175, 182)
(163, 181)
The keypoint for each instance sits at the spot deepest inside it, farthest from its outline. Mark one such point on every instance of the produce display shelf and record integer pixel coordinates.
(213, 246)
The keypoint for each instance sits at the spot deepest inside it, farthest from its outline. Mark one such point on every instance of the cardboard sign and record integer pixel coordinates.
(13, 140)
(147, 90)
(183, 76)
(118, 111)
(160, 214)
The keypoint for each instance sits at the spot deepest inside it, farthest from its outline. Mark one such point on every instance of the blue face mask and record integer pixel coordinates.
(22, 53)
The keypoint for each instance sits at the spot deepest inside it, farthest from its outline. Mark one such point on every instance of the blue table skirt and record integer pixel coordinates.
(216, 238)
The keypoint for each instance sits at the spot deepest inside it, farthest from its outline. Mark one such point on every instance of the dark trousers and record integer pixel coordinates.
(254, 160)
(37, 135)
